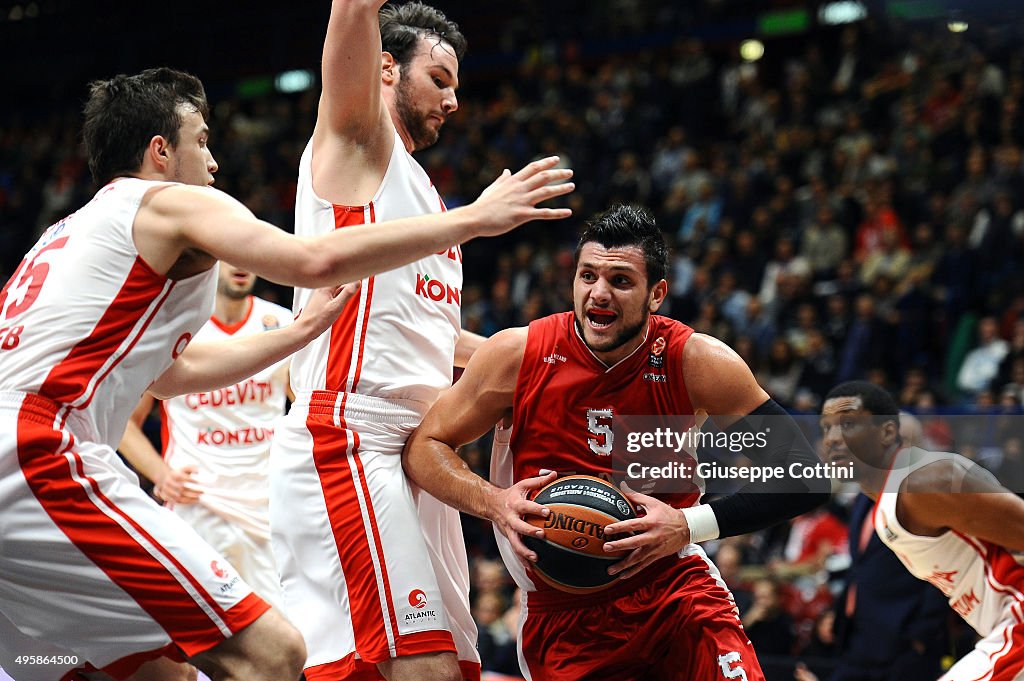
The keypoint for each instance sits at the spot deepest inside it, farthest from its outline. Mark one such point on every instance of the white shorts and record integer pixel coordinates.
(360, 580)
(997, 657)
(252, 556)
(91, 566)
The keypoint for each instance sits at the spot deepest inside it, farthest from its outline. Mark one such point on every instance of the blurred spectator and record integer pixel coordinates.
(981, 365)
(767, 623)
(823, 243)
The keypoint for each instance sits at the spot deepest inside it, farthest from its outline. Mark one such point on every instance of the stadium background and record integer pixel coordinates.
(850, 205)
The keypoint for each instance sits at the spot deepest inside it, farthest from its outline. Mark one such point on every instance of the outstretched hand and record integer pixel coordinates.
(511, 504)
(512, 199)
(323, 308)
(661, 531)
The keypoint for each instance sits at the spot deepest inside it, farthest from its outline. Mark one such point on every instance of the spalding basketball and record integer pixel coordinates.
(571, 555)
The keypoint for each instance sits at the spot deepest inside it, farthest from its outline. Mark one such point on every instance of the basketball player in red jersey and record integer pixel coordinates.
(556, 388)
(95, 577)
(389, 596)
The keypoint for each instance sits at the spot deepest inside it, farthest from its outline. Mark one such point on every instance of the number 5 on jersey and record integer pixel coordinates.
(599, 424)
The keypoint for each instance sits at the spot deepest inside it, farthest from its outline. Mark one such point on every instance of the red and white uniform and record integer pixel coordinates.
(86, 556)
(675, 620)
(369, 594)
(984, 582)
(226, 435)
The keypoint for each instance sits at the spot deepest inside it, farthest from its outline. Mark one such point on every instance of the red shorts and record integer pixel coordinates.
(681, 625)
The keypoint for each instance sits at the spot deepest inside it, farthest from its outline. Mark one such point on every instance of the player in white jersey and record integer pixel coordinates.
(214, 468)
(369, 604)
(946, 518)
(93, 573)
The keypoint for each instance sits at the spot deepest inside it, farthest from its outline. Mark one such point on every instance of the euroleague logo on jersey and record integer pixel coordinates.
(437, 290)
(655, 359)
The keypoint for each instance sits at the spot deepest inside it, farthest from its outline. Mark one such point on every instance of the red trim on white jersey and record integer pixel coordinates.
(345, 354)
(75, 378)
(231, 329)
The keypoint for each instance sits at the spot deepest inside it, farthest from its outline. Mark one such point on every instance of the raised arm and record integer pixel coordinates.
(464, 412)
(354, 136)
(178, 218)
(350, 103)
(208, 366)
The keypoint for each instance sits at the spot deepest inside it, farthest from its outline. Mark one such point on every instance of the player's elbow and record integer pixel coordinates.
(320, 267)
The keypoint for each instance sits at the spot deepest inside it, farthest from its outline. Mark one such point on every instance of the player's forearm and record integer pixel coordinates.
(354, 253)
(208, 366)
(761, 504)
(466, 346)
(436, 468)
(137, 449)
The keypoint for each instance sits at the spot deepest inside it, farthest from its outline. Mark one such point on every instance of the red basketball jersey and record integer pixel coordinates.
(568, 404)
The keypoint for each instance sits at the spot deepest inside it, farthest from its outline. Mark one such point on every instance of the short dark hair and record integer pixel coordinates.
(124, 113)
(876, 400)
(624, 225)
(401, 27)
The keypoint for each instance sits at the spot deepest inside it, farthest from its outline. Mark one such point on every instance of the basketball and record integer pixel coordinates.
(571, 555)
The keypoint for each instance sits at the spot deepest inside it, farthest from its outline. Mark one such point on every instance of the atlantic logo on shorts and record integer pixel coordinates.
(418, 600)
(218, 570)
(437, 290)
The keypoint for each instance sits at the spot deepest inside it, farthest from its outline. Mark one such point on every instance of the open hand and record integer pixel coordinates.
(512, 200)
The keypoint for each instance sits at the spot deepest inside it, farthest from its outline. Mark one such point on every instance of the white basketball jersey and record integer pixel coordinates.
(984, 582)
(85, 322)
(226, 433)
(396, 340)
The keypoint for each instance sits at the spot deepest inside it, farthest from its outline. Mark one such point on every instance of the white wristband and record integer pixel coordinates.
(702, 523)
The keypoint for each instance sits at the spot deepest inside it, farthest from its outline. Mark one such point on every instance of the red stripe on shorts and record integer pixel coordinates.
(330, 456)
(376, 539)
(86, 520)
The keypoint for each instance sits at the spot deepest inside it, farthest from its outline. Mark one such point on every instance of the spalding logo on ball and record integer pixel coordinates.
(571, 555)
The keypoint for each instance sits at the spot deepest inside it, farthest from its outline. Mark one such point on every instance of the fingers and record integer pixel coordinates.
(520, 526)
(550, 214)
(627, 543)
(521, 551)
(639, 499)
(548, 177)
(536, 482)
(538, 166)
(633, 564)
(550, 191)
(628, 526)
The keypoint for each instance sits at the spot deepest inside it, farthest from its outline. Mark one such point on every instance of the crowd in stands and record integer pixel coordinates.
(853, 209)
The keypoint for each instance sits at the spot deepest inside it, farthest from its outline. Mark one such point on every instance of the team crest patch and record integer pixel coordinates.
(655, 359)
(270, 322)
